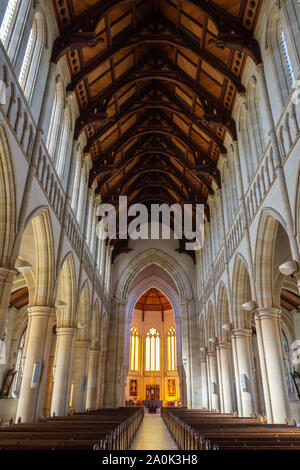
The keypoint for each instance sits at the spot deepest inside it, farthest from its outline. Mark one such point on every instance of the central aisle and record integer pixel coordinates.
(153, 435)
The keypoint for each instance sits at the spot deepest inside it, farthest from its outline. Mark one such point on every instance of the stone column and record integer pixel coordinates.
(213, 386)
(115, 353)
(101, 379)
(263, 367)
(204, 382)
(244, 370)
(35, 362)
(60, 398)
(269, 319)
(182, 384)
(236, 375)
(80, 374)
(91, 391)
(226, 376)
(6, 282)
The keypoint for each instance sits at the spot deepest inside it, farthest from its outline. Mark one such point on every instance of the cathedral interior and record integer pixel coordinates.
(164, 103)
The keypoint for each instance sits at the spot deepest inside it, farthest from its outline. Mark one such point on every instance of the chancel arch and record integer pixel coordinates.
(152, 373)
(153, 268)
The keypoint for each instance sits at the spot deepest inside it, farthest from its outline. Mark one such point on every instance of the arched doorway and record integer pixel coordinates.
(152, 373)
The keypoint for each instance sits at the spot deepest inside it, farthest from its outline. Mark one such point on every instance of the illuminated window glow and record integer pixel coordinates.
(287, 58)
(134, 349)
(152, 350)
(7, 20)
(27, 56)
(172, 349)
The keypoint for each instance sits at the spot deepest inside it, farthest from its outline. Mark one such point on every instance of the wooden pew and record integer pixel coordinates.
(204, 430)
(102, 429)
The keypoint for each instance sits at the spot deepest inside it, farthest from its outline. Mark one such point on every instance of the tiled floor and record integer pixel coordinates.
(153, 434)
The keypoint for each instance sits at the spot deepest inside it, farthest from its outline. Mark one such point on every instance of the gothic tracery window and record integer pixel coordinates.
(134, 349)
(152, 350)
(171, 349)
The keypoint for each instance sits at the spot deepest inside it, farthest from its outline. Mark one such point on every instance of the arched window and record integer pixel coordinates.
(18, 367)
(279, 54)
(8, 20)
(171, 348)
(134, 349)
(76, 182)
(254, 122)
(13, 25)
(33, 54)
(152, 350)
(64, 140)
(232, 179)
(245, 138)
(55, 119)
(286, 57)
(82, 193)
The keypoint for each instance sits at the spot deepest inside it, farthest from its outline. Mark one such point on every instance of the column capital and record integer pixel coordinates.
(40, 311)
(268, 312)
(242, 332)
(94, 351)
(211, 353)
(81, 344)
(224, 345)
(65, 331)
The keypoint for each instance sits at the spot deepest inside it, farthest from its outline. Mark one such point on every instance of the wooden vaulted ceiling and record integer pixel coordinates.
(156, 82)
(153, 300)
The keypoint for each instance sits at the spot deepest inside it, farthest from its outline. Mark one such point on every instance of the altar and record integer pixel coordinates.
(157, 403)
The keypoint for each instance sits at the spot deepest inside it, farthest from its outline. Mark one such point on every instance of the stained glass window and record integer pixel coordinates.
(172, 349)
(152, 350)
(134, 349)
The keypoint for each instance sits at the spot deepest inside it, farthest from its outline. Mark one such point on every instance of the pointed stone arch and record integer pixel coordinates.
(210, 325)
(223, 313)
(84, 314)
(170, 278)
(8, 201)
(241, 291)
(95, 326)
(66, 292)
(159, 258)
(266, 278)
(37, 247)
